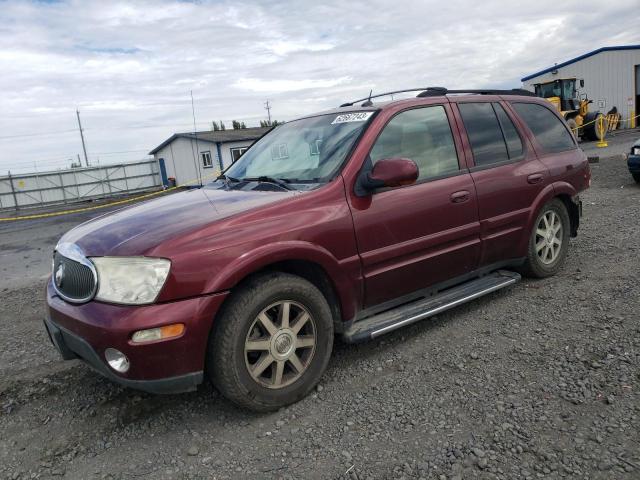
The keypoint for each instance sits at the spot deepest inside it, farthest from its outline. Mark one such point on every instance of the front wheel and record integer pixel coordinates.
(549, 241)
(272, 342)
(636, 177)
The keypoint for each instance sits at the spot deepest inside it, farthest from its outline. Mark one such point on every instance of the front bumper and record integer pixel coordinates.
(167, 366)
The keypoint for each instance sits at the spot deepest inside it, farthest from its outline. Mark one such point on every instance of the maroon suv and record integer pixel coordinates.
(355, 222)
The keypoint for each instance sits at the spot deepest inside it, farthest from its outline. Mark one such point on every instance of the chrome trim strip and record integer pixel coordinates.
(75, 253)
(441, 308)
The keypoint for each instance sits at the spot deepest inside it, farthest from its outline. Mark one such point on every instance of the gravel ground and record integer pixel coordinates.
(541, 380)
(619, 143)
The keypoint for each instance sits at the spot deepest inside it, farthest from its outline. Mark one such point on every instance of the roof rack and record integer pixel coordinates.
(439, 91)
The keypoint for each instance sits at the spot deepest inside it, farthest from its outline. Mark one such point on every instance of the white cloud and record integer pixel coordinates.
(127, 65)
(276, 86)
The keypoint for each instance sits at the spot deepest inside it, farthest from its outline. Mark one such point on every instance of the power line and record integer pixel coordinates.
(71, 156)
(124, 127)
(25, 135)
(122, 151)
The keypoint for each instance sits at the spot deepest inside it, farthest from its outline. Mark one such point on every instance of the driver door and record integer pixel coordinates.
(416, 236)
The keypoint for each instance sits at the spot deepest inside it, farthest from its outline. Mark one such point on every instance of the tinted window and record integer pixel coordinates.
(514, 143)
(548, 129)
(484, 132)
(424, 136)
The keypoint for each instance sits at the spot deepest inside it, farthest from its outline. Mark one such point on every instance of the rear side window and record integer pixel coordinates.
(422, 135)
(547, 128)
(484, 132)
(511, 137)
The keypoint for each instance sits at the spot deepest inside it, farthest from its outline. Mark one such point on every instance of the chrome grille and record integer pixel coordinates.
(73, 278)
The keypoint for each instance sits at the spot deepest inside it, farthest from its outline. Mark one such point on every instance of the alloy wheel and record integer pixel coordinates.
(548, 239)
(280, 344)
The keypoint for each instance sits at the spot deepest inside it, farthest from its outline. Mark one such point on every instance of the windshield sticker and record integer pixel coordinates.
(352, 117)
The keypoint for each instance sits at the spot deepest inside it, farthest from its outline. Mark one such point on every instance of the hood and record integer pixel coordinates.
(135, 230)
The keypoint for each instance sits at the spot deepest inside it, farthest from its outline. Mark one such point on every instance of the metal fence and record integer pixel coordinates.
(77, 184)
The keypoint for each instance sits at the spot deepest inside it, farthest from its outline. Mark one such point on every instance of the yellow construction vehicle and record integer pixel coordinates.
(574, 107)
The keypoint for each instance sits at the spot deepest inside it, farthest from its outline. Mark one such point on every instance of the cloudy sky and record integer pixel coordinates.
(129, 66)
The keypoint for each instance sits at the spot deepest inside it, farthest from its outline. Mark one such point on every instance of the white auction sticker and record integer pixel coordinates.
(352, 117)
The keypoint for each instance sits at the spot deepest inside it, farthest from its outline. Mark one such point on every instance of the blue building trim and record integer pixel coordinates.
(577, 59)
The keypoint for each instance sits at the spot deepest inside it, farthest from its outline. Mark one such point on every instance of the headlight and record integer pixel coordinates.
(130, 280)
(635, 150)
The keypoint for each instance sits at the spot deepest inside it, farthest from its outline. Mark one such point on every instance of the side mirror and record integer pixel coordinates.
(581, 82)
(388, 172)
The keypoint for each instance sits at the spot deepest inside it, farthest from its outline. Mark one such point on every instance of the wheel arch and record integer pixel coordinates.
(564, 192)
(303, 259)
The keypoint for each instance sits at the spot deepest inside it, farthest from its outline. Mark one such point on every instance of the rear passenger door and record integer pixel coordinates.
(507, 174)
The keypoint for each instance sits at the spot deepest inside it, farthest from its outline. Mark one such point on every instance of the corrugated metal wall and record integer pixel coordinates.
(609, 80)
(77, 184)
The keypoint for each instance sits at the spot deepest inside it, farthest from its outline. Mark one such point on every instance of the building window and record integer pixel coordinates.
(206, 159)
(236, 153)
(279, 152)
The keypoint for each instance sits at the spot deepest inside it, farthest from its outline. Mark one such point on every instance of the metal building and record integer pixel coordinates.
(611, 79)
(195, 158)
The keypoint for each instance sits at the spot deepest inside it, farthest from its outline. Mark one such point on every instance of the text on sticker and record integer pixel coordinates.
(352, 117)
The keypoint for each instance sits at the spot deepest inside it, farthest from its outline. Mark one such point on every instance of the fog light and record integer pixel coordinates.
(117, 360)
(160, 333)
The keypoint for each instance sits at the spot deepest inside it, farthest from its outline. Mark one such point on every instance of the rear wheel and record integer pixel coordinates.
(272, 342)
(549, 241)
(573, 126)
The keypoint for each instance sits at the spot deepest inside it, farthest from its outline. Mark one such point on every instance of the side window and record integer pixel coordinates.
(422, 135)
(484, 132)
(514, 142)
(547, 128)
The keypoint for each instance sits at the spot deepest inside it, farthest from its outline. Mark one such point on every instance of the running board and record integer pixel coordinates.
(417, 310)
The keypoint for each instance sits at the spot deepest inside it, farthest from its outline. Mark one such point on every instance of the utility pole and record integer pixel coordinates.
(84, 148)
(268, 108)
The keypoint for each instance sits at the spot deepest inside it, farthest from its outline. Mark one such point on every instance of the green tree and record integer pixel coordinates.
(215, 126)
(222, 127)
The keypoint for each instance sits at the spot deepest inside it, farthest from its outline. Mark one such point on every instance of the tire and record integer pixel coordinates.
(544, 256)
(571, 122)
(636, 177)
(243, 342)
(591, 130)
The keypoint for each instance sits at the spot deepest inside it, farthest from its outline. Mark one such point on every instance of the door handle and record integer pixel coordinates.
(535, 178)
(459, 197)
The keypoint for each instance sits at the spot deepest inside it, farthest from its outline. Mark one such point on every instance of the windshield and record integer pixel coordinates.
(548, 90)
(307, 150)
(568, 89)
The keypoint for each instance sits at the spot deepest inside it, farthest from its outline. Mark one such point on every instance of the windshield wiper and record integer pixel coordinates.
(281, 182)
(227, 179)
(305, 180)
(222, 176)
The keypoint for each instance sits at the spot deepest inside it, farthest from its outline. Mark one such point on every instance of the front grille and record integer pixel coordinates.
(73, 280)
